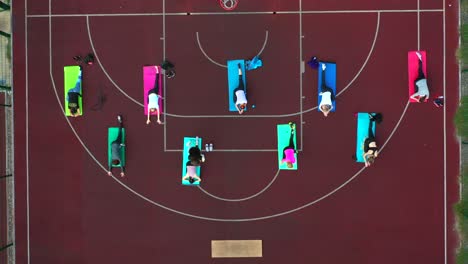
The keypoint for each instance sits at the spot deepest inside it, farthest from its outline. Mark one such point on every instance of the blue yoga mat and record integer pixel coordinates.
(362, 133)
(330, 80)
(185, 159)
(233, 81)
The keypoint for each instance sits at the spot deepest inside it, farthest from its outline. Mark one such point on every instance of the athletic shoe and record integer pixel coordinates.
(240, 68)
(202, 158)
(207, 148)
(196, 140)
(324, 66)
(211, 146)
(119, 119)
(292, 125)
(419, 55)
(435, 103)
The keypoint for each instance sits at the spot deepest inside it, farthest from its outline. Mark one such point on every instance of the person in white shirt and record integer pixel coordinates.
(420, 84)
(153, 99)
(240, 97)
(328, 96)
(191, 173)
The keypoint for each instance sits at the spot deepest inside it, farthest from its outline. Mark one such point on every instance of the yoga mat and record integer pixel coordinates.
(283, 132)
(362, 133)
(149, 77)
(413, 65)
(236, 249)
(233, 81)
(112, 134)
(330, 81)
(70, 77)
(185, 159)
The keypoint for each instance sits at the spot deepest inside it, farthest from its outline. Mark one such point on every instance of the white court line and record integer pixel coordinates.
(301, 73)
(164, 78)
(28, 231)
(224, 65)
(419, 28)
(242, 13)
(241, 199)
(240, 116)
(445, 134)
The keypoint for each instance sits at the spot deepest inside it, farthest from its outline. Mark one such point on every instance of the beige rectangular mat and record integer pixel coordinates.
(236, 248)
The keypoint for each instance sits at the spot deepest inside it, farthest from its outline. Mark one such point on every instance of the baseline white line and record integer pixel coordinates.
(445, 134)
(241, 199)
(28, 230)
(241, 13)
(224, 65)
(102, 66)
(376, 34)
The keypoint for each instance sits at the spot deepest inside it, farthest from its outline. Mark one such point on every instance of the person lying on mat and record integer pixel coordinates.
(371, 150)
(191, 174)
(116, 145)
(290, 150)
(328, 96)
(153, 99)
(420, 84)
(73, 97)
(240, 97)
(195, 157)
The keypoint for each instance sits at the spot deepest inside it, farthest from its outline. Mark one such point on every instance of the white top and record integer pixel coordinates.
(423, 90)
(326, 100)
(241, 99)
(192, 171)
(153, 101)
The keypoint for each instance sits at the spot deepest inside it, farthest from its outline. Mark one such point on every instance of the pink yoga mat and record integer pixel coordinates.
(413, 65)
(149, 77)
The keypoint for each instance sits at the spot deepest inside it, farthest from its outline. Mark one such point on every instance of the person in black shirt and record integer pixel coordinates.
(73, 97)
(371, 150)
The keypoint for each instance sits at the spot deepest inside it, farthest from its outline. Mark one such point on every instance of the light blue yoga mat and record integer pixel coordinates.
(284, 132)
(362, 133)
(185, 158)
(330, 81)
(233, 81)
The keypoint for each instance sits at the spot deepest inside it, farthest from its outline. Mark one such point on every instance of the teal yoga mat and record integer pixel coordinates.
(362, 133)
(284, 132)
(112, 134)
(233, 81)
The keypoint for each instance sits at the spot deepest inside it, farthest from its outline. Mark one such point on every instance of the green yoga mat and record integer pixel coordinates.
(70, 77)
(284, 132)
(362, 133)
(185, 159)
(112, 134)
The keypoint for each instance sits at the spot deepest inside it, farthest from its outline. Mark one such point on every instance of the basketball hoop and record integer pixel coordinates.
(228, 5)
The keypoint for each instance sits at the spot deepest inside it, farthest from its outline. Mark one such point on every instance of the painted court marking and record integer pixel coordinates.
(49, 16)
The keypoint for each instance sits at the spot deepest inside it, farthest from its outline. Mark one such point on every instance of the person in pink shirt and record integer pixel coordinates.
(290, 150)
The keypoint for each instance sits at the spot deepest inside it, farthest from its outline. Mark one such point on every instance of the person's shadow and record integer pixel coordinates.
(101, 100)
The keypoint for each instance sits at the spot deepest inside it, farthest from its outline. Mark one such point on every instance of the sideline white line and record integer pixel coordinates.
(102, 66)
(164, 78)
(224, 65)
(241, 199)
(171, 209)
(28, 231)
(242, 13)
(301, 74)
(445, 133)
(419, 27)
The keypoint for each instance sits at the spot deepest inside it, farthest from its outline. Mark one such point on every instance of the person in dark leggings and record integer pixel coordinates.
(370, 145)
(153, 99)
(116, 146)
(195, 157)
(240, 96)
(328, 96)
(420, 84)
(290, 150)
(73, 97)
